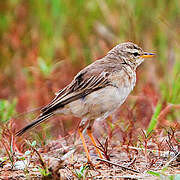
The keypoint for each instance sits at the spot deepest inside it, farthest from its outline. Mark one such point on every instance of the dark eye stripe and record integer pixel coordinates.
(136, 54)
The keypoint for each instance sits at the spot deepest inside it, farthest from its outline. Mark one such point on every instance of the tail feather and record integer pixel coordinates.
(39, 120)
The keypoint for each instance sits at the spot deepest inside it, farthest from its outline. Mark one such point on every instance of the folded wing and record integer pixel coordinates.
(82, 85)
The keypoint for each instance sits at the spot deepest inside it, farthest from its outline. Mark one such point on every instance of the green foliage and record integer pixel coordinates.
(33, 144)
(171, 91)
(44, 173)
(45, 67)
(153, 122)
(7, 110)
(163, 176)
(158, 174)
(175, 95)
(82, 172)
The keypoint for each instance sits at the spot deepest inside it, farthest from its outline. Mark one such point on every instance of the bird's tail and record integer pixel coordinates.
(39, 120)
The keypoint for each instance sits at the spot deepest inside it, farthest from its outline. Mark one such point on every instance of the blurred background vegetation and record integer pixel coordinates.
(44, 43)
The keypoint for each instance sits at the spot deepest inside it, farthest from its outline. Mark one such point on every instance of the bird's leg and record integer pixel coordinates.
(89, 132)
(80, 130)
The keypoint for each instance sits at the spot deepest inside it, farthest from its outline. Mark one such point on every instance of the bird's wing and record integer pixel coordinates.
(83, 84)
(90, 79)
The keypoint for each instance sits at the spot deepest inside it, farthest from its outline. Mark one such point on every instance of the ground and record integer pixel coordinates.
(62, 159)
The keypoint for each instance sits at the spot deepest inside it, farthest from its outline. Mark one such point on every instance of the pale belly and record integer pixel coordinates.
(98, 104)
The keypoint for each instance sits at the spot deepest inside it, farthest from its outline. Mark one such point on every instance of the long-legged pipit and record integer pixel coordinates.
(97, 90)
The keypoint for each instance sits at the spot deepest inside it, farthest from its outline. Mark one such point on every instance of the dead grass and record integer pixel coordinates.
(152, 156)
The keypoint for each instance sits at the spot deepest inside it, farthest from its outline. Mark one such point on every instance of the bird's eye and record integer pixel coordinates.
(135, 54)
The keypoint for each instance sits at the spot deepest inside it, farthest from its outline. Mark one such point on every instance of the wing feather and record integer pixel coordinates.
(80, 87)
(90, 79)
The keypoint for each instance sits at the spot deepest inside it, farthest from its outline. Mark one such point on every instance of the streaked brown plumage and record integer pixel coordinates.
(97, 90)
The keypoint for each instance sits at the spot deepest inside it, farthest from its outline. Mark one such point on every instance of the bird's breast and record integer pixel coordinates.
(124, 79)
(101, 103)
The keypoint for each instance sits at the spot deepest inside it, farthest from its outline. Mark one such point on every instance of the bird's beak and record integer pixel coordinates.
(147, 55)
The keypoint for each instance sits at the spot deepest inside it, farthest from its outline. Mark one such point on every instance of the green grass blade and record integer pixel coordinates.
(153, 122)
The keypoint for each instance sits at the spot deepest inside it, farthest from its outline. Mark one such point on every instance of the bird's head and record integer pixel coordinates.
(130, 53)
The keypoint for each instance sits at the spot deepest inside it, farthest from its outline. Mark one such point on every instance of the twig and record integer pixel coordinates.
(104, 149)
(167, 164)
(40, 158)
(174, 165)
(123, 167)
(157, 168)
(132, 162)
(39, 155)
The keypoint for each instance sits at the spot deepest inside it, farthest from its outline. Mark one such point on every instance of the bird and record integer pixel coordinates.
(96, 91)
